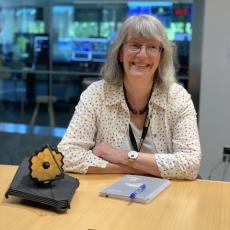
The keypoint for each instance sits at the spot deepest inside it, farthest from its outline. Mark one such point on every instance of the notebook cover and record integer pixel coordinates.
(58, 195)
(128, 184)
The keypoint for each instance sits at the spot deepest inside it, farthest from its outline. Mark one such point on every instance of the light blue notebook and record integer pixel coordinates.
(136, 188)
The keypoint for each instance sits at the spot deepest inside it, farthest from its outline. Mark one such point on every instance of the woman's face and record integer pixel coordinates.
(140, 58)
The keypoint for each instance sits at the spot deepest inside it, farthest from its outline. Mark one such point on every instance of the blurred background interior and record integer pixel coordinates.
(51, 50)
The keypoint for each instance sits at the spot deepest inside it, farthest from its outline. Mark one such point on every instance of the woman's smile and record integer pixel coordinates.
(140, 69)
(140, 65)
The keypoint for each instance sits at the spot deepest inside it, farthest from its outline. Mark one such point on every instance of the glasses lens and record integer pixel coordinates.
(151, 49)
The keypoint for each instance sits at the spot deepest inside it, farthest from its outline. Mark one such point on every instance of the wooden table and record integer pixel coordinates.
(194, 205)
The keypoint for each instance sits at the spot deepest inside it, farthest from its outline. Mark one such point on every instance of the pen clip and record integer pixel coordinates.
(140, 189)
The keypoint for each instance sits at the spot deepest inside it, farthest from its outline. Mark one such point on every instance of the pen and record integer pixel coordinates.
(140, 189)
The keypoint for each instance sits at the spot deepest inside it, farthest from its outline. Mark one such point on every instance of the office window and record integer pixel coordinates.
(48, 47)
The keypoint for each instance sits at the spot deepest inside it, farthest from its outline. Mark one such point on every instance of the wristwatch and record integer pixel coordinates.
(132, 157)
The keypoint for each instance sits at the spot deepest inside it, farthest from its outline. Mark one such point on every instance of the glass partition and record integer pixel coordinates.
(49, 48)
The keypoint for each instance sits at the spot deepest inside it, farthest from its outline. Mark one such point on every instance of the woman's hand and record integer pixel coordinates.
(145, 164)
(105, 151)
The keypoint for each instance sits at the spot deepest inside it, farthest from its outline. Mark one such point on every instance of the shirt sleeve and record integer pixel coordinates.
(80, 135)
(184, 160)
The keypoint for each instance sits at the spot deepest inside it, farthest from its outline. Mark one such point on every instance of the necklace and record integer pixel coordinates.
(134, 111)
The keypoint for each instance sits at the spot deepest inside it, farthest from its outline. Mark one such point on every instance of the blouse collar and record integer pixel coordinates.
(114, 94)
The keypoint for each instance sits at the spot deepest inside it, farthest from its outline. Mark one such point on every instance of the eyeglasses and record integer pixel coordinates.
(136, 47)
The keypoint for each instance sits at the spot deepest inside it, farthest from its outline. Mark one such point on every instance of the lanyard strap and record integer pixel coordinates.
(144, 133)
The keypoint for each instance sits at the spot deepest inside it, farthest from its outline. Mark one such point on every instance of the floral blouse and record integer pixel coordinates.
(102, 113)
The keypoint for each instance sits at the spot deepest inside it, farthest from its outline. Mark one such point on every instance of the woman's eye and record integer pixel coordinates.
(152, 47)
(136, 46)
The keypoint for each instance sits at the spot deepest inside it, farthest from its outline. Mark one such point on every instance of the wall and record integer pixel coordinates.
(214, 110)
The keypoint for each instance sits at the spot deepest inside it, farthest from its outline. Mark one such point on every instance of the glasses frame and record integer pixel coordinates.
(136, 47)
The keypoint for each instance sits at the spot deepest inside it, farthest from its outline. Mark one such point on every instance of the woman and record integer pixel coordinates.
(137, 119)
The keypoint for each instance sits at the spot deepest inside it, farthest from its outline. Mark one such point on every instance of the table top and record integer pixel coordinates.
(199, 204)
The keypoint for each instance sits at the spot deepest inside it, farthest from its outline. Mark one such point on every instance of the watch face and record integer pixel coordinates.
(133, 155)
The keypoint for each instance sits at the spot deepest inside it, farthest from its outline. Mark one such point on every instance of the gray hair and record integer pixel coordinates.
(148, 27)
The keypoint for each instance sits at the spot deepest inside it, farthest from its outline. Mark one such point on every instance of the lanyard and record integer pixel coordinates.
(144, 133)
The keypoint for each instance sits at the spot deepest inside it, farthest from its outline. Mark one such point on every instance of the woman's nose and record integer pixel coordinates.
(143, 50)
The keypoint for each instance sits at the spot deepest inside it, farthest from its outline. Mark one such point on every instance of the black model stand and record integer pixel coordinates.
(58, 194)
